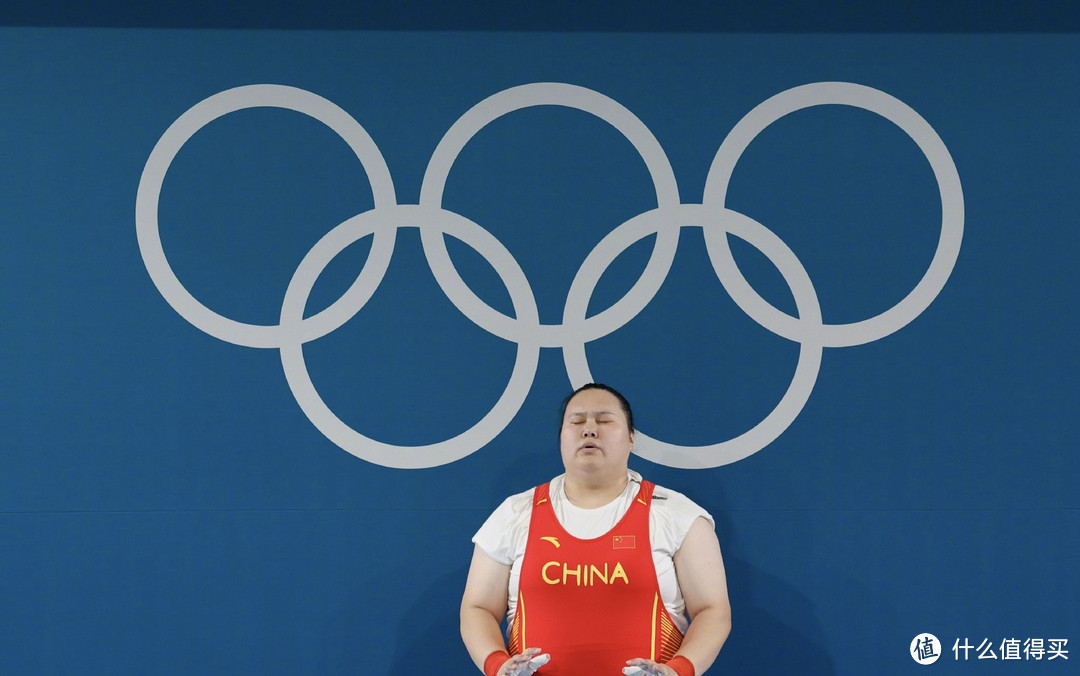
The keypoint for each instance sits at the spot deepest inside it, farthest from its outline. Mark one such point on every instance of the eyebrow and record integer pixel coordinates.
(582, 414)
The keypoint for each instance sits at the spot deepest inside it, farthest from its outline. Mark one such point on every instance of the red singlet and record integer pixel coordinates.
(591, 604)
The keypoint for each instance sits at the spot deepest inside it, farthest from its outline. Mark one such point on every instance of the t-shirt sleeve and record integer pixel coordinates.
(675, 513)
(504, 532)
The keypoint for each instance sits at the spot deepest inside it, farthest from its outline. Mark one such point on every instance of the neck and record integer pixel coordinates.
(589, 492)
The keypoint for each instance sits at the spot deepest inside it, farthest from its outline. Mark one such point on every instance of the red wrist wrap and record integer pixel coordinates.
(681, 665)
(497, 659)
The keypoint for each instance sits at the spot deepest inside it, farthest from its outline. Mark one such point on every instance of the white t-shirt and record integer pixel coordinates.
(505, 533)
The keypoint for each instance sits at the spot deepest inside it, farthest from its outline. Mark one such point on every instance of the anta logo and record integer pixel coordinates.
(582, 574)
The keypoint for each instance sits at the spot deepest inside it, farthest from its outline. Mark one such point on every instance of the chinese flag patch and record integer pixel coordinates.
(624, 542)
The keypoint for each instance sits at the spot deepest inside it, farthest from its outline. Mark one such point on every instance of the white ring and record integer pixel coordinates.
(482, 114)
(299, 379)
(719, 224)
(952, 212)
(162, 156)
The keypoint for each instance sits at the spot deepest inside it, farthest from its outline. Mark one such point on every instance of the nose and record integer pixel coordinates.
(588, 429)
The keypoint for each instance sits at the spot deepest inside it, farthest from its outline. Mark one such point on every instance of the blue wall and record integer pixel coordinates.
(175, 499)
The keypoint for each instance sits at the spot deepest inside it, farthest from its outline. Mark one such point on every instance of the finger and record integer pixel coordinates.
(632, 671)
(521, 665)
(538, 661)
(644, 667)
(517, 669)
(518, 665)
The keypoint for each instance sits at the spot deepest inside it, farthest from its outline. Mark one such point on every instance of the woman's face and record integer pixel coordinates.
(595, 436)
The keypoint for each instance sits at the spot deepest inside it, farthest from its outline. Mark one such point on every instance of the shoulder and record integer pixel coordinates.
(503, 535)
(676, 505)
(671, 516)
(513, 508)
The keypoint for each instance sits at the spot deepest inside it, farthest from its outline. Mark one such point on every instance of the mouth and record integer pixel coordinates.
(588, 447)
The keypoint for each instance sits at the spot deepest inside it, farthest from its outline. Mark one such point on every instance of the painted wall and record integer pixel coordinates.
(288, 313)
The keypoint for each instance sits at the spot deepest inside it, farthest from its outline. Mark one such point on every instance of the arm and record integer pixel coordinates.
(699, 568)
(483, 606)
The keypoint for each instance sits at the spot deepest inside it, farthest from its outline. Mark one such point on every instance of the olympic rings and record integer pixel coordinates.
(524, 328)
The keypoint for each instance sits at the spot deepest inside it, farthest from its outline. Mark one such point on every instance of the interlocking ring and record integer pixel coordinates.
(524, 328)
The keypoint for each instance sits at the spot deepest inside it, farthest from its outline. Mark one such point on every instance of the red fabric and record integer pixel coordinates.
(591, 604)
(494, 661)
(681, 665)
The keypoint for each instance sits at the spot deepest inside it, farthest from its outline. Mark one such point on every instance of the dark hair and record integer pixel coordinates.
(623, 403)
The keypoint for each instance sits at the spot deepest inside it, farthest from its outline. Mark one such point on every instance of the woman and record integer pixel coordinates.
(599, 568)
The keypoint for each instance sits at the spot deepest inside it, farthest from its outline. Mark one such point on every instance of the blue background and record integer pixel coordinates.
(166, 507)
